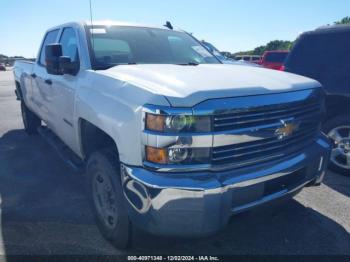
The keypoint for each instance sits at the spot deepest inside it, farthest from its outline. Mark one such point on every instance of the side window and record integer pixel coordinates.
(69, 44)
(50, 38)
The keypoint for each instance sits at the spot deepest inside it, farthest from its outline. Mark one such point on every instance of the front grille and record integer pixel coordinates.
(246, 118)
(306, 114)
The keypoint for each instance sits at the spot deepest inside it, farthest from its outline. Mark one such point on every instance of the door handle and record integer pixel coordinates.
(33, 75)
(48, 81)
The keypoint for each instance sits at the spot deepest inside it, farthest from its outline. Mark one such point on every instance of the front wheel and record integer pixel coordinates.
(338, 130)
(107, 199)
(30, 121)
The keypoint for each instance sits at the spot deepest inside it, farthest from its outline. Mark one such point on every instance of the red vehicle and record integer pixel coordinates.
(274, 59)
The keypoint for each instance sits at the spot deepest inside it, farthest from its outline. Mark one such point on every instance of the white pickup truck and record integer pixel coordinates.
(173, 141)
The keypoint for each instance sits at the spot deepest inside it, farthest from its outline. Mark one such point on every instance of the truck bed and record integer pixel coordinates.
(22, 71)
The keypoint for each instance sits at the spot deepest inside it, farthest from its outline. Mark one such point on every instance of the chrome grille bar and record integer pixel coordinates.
(262, 150)
(245, 119)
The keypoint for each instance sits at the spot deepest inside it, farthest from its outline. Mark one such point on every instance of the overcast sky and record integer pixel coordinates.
(231, 25)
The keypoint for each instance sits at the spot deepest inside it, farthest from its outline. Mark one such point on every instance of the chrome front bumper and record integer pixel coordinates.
(201, 203)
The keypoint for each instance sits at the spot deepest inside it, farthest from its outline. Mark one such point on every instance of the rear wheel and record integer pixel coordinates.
(338, 130)
(30, 121)
(107, 199)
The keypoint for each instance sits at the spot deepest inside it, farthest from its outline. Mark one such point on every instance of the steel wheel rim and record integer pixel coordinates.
(340, 155)
(105, 199)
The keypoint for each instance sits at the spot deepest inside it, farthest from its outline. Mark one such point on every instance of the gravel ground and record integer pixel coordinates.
(44, 209)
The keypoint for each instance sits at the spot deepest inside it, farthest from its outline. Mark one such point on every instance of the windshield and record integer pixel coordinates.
(122, 45)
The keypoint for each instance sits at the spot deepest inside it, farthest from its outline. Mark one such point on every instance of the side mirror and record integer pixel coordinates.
(67, 66)
(52, 53)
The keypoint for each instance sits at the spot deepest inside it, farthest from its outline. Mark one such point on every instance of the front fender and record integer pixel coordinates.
(115, 107)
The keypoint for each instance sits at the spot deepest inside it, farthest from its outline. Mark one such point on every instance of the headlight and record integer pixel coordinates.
(177, 123)
(170, 141)
(177, 155)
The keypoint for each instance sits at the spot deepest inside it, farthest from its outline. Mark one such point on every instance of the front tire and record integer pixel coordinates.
(107, 199)
(338, 130)
(30, 121)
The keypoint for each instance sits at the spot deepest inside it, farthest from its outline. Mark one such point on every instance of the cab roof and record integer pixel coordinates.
(108, 23)
(121, 23)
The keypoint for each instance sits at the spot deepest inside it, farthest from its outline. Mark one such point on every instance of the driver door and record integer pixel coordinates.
(64, 90)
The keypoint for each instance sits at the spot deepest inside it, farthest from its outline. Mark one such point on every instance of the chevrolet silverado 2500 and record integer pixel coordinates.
(173, 141)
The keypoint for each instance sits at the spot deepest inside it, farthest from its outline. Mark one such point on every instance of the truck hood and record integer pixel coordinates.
(186, 86)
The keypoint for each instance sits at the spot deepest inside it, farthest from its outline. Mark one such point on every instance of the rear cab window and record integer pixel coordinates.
(279, 57)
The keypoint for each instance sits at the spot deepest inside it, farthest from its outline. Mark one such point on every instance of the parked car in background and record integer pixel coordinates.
(248, 58)
(274, 59)
(324, 55)
(2, 67)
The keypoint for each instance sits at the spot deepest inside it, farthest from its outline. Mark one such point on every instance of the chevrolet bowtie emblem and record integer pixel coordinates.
(286, 130)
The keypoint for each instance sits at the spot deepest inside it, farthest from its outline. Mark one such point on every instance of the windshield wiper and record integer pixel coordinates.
(102, 67)
(189, 64)
(105, 67)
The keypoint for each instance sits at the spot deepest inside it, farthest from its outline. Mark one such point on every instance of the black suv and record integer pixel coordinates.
(324, 54)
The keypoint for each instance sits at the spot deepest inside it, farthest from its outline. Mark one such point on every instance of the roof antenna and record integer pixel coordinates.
(92, 26)
(169, 25)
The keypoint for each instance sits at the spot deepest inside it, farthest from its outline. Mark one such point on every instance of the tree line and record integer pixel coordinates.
(9, 61)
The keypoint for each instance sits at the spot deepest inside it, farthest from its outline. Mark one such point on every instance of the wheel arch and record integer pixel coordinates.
(18, 91)
(93, 138)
